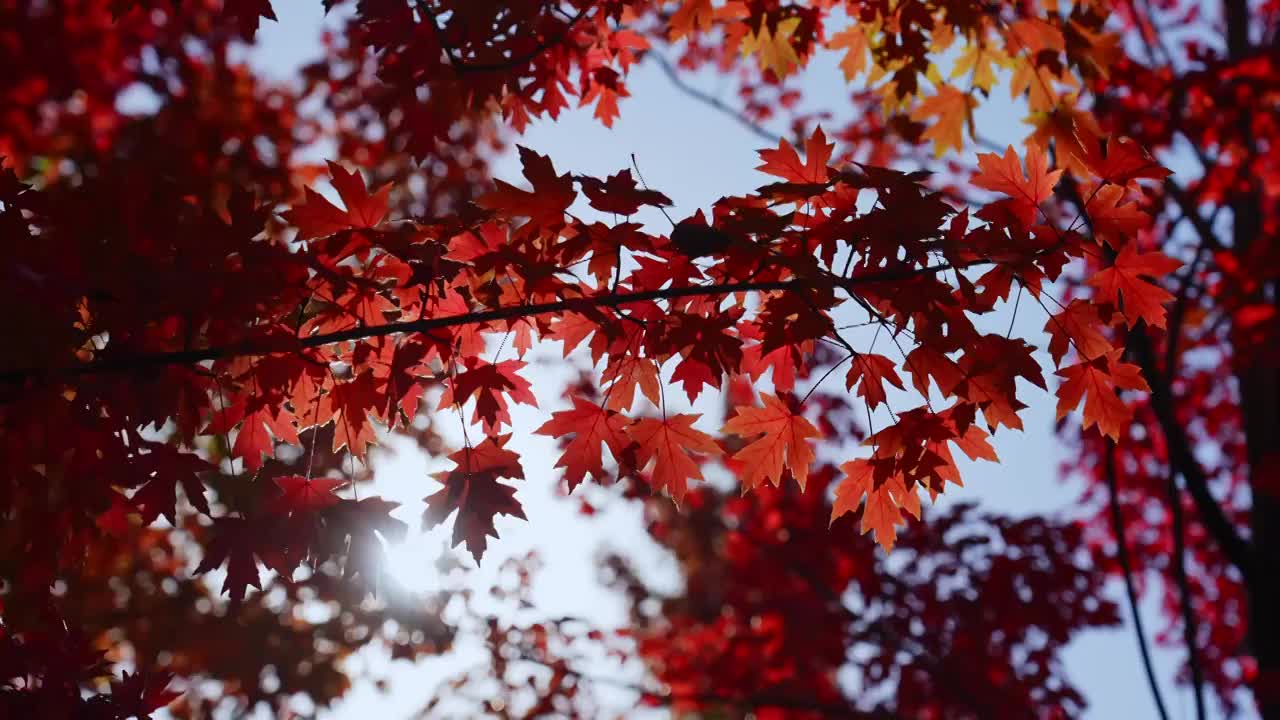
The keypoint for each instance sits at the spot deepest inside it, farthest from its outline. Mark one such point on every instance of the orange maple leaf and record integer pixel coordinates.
(953, 110)
(592, 428)
(690, 16)
(882, 511)
(774, 49)
(785, 163)
(672, 443)
(853, 40)
(1004, 175)
(625, 373)
(784, 442)
(1097, 381)
(1125, 287)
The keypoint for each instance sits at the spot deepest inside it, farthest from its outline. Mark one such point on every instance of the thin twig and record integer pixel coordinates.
(1122, 555)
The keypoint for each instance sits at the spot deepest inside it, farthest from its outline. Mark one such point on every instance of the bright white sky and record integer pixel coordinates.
(695, 156)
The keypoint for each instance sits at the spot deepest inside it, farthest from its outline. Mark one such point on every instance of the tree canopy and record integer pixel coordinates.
(186, 309)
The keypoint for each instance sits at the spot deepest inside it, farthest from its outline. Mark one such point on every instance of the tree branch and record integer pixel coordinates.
(711, 101)
(1189, 632)
(1122, 555)
(424, 325)
(1183, 460)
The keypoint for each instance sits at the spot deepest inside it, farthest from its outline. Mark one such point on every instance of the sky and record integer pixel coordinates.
(694, 155)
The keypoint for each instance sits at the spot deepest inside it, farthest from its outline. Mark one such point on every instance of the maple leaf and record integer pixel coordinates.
(1004, 175)
(352, 528)
(979, 62)
(472, 488)
(305, 495)
(785, 163)
(619, 194)
(1098, 381)
(625, 373)
(1077, 325)
(784, 441)
(690, 16)
(166, 467)
(1125, 287)
(884, 502)
(952, 110)
(671, 443)
(991, 366)
(235, 542)
(317, 217)
(694, 238)
(774, 49)
(1110, 219)
(974, 442)
(142, 693)
(592, 427)
(490, 384)
(349, 404)
(924, 363)
(1120, 161)
(248, 14)
(546, 204)
(873, 371)
(255, 415)
(853, 40)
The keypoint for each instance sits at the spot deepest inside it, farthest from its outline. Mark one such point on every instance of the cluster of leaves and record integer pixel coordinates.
(366, 314)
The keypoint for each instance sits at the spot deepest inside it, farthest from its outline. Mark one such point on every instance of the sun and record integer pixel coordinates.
(413, 562)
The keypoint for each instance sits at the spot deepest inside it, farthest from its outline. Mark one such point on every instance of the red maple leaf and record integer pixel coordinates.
(357, 529)
(1077, 325)
(1111, 220)
(490, 385)
(317, 217)
(237, 543)
(348, 404)
(884, 501)
(1120, 161)
(166, 467)
(545, 204)
(619, 194)
(472, 488)
(872, 371)
(785, 163)
(142, 693)
(305, 495)
(1124, 285)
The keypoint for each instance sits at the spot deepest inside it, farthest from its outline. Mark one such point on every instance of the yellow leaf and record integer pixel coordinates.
(774, 49)
(953, 110)
(979, 63)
